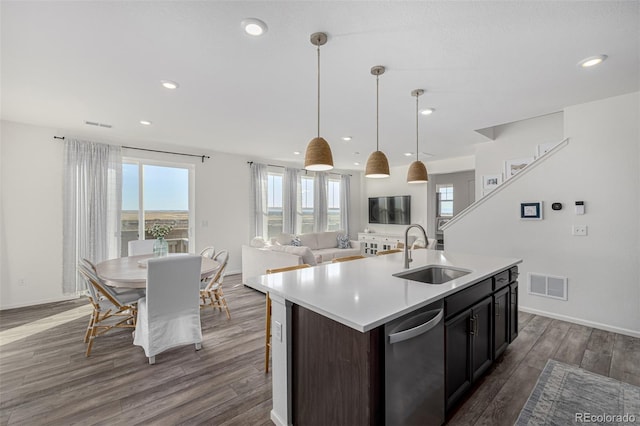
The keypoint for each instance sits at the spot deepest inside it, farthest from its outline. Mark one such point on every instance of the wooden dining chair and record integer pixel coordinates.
(267, 341)
(211, 288)
(110, 310)
(383, 252)
(347, 258)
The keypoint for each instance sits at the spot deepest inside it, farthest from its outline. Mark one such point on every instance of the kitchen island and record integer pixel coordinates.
(328, 330)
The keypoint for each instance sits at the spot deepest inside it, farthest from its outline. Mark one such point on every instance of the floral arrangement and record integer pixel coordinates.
(159, 231)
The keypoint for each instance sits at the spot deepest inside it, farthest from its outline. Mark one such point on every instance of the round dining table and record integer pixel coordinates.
(131, 271)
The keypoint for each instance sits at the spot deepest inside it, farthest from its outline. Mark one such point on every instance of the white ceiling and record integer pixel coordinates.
(481, 64)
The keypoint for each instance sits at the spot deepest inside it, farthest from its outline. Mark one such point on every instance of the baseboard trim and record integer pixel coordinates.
(39, 302)
(276, 419)
(587, 323)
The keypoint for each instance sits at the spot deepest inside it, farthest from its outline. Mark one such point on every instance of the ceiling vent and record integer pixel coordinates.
(95, 123)
(548, 286)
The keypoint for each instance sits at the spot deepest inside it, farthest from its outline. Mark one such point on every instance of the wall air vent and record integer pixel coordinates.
(548, 286)
(95, 123)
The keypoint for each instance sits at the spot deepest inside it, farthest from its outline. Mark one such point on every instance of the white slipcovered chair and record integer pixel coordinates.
(138, 247)
(169, 315)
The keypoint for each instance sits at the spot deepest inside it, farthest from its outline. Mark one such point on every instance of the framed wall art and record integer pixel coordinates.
(513, 167)
(531, 211)
(490, 182)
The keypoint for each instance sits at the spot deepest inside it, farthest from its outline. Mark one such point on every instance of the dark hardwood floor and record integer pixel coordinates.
(46, 379)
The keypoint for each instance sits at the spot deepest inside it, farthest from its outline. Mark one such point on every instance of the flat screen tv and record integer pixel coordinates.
(390, 210)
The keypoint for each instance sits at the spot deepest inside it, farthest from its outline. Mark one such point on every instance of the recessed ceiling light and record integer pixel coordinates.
(356, 153)
(408, 154)
(356, 164)
(145, 122)
(346, 138)
(168, 84)
(592, 61)
(296, 152)
(427, 111)
(254, 27)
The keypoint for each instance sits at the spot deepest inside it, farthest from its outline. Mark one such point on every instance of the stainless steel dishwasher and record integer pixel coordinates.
(414, 368)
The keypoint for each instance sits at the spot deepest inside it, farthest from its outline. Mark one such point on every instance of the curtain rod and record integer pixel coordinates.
(155, 150)
(305, 170)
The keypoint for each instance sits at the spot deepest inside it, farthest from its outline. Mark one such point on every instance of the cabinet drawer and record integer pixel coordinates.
(500, 280)
(513, 272)
(465, 298)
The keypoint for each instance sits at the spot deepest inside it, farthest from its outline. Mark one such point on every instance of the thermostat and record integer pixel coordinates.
(579, 207)
(556, 206)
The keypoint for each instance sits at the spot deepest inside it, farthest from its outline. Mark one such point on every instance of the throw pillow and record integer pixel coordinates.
(257, 242)
(343, 241)
(296, 242)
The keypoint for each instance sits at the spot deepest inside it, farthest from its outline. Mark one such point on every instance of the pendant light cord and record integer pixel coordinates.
(377, 110)
(318, 91)
(417, 96)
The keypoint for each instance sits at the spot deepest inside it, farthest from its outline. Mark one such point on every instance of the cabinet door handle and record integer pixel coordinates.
(477, 324)
(497, 309)
(472, 325)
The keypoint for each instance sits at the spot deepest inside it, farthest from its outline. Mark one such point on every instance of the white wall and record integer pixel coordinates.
(31, 209)
(31, 218)
(395, 184)
(515, 141)
(599, 166)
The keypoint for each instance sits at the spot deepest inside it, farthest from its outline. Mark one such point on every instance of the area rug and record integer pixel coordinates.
(568, 395)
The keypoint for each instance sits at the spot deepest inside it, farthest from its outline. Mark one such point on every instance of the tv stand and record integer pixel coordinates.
(373, 242)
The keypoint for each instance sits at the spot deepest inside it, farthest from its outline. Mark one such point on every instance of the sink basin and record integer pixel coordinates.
(432, 274)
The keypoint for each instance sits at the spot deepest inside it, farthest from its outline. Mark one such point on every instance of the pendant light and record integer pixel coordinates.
(417, 170)
(377, 164)
(318, 156)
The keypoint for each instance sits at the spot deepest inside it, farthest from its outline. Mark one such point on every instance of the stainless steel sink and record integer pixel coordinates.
(432, 274)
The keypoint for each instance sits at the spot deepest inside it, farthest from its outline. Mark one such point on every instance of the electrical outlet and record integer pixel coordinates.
(579, 230)
(21, 282)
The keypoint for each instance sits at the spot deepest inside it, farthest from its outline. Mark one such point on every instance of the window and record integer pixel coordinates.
(274, 204)
(445, 200)
(154, 193)
(306, 208)
(333, 205)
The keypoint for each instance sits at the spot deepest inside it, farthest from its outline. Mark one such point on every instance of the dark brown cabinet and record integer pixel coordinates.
(468, 348)
(513, 310)
(501, 319)
(481, 321)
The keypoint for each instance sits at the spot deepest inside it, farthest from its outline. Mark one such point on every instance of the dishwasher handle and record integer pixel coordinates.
(416, 331)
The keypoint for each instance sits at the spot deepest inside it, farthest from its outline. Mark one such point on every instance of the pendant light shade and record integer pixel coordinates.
(417, 170)
(377, 164)
(318, 156)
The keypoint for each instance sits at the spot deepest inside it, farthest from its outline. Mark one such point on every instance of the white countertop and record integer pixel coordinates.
(363, 294)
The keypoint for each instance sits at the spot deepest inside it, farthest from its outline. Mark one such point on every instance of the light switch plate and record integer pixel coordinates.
(579, 230)
(277, 331)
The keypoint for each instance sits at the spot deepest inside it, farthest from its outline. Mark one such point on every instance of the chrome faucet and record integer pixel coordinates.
(407, 253)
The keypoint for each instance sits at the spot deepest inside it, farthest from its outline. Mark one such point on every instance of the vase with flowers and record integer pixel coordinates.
(159, 232)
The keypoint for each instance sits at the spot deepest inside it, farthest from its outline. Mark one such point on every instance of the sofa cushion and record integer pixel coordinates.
(329, 254)
(258, 242)
(343, 241)
(327, 239)
(304, 252)
(296, 241)
(309, 240)
(283, 239)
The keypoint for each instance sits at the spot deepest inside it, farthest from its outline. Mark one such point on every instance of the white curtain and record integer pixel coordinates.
(320, 202)
(345, 200)
(290, 199)
(259, 177)
(92, 205)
